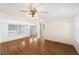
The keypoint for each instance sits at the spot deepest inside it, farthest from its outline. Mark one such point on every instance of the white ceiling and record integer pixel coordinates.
(55, 10)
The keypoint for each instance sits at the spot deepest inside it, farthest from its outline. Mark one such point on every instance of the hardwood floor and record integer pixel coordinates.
(30, 46)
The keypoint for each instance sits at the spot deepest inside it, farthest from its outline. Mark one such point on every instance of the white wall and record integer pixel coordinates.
(12, 17)
(4, 30)
(6, 19)
(59, 30)
(76, 34)
(0, 30)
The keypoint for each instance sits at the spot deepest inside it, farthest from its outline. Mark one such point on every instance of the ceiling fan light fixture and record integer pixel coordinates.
(33, 12)
(32, 16)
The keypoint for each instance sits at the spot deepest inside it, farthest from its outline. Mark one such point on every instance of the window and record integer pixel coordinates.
(12, 29)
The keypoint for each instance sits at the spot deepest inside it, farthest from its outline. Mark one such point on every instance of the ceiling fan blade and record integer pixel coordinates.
(43, 12)
(24, 11)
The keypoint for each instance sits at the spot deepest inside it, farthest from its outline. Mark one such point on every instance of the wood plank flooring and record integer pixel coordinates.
(31, 46)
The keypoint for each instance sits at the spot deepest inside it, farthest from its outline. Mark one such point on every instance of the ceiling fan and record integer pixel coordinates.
(33, 11)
